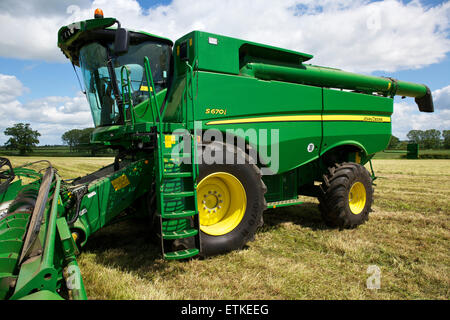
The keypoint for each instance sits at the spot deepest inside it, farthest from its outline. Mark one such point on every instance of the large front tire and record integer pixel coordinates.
(230, 199)
(347, 195)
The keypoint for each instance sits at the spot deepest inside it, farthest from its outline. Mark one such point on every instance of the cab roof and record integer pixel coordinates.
(74, 36)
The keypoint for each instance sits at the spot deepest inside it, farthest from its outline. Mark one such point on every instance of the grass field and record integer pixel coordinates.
(294, 255)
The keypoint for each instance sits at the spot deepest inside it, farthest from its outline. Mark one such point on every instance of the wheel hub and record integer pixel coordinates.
(221, 203)
(357, 198)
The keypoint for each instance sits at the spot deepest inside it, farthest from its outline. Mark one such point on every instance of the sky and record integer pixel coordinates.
(407, 40)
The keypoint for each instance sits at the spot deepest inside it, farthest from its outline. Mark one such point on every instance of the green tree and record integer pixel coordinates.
(71, 138)
(446, 136)
(431, 139)
(393, 142)
(23, 138)
(428, 139)
(415, 136)
(85, 136)
(78, 139)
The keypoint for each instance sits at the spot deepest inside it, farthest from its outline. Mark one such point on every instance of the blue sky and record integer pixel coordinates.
(408, 40)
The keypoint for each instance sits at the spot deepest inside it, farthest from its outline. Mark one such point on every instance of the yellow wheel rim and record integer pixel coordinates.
(357, 198)
(221, 202)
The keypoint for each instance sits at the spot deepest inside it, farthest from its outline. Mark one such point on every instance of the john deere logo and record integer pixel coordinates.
(373, 119)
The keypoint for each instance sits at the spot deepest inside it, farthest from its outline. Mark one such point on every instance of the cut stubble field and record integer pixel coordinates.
(294, 255)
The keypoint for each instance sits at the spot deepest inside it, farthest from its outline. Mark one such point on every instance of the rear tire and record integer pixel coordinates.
(347, 196)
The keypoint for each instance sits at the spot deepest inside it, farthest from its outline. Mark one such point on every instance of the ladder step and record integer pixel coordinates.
(172, 175)
(180, 214)
(171, 235)
(178, 155)
(177, 133)
(183, 194)
(284, 203)
(182, 254)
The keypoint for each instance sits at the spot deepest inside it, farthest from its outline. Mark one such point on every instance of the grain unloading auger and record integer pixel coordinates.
(209, 132)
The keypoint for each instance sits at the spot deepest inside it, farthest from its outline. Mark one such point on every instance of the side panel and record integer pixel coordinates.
(112, 194)
(219, 55)
(355, 118)
(281, 186)
(173, 110)
(249, 106)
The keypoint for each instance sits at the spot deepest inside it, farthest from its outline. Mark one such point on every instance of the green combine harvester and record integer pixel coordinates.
(210, 131)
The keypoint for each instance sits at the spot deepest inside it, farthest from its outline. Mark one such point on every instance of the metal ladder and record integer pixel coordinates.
(176, 184)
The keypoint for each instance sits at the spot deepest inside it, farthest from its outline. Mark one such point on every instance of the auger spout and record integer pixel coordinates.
(335, 78)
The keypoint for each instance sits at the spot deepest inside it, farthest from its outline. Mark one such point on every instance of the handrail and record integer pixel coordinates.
(152, 93)
(155, 112)
(130, 101)
(188, 94)
(189, 91)
(194, 137)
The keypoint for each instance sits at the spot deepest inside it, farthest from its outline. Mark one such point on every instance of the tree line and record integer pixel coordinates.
(23, 139)
(426, 139)
(78, 140)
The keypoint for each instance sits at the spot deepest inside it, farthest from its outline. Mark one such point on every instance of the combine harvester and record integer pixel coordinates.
(288, 129)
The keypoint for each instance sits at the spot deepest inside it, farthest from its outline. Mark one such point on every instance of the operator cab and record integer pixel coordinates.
(92, 45)
(100, 81)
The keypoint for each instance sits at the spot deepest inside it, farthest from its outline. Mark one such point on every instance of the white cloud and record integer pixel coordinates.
(354, 35)
(406, 116)
(441, 98)
(51, 116)
(10, 88)
(39, 7)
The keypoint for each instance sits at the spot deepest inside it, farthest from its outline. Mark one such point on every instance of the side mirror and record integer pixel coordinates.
(121, 41)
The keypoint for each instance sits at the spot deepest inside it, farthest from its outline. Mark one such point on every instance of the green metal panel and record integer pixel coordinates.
(218, 53)
(221, 57)
(253, 105)
(109, 196)
(173, 110)
(281, 187)
(368, 132)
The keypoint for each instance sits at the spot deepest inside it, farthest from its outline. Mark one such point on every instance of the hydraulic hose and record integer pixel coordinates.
(79, 194)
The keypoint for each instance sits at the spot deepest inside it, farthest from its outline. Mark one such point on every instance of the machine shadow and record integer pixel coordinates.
(306, 215)
(127, 245)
